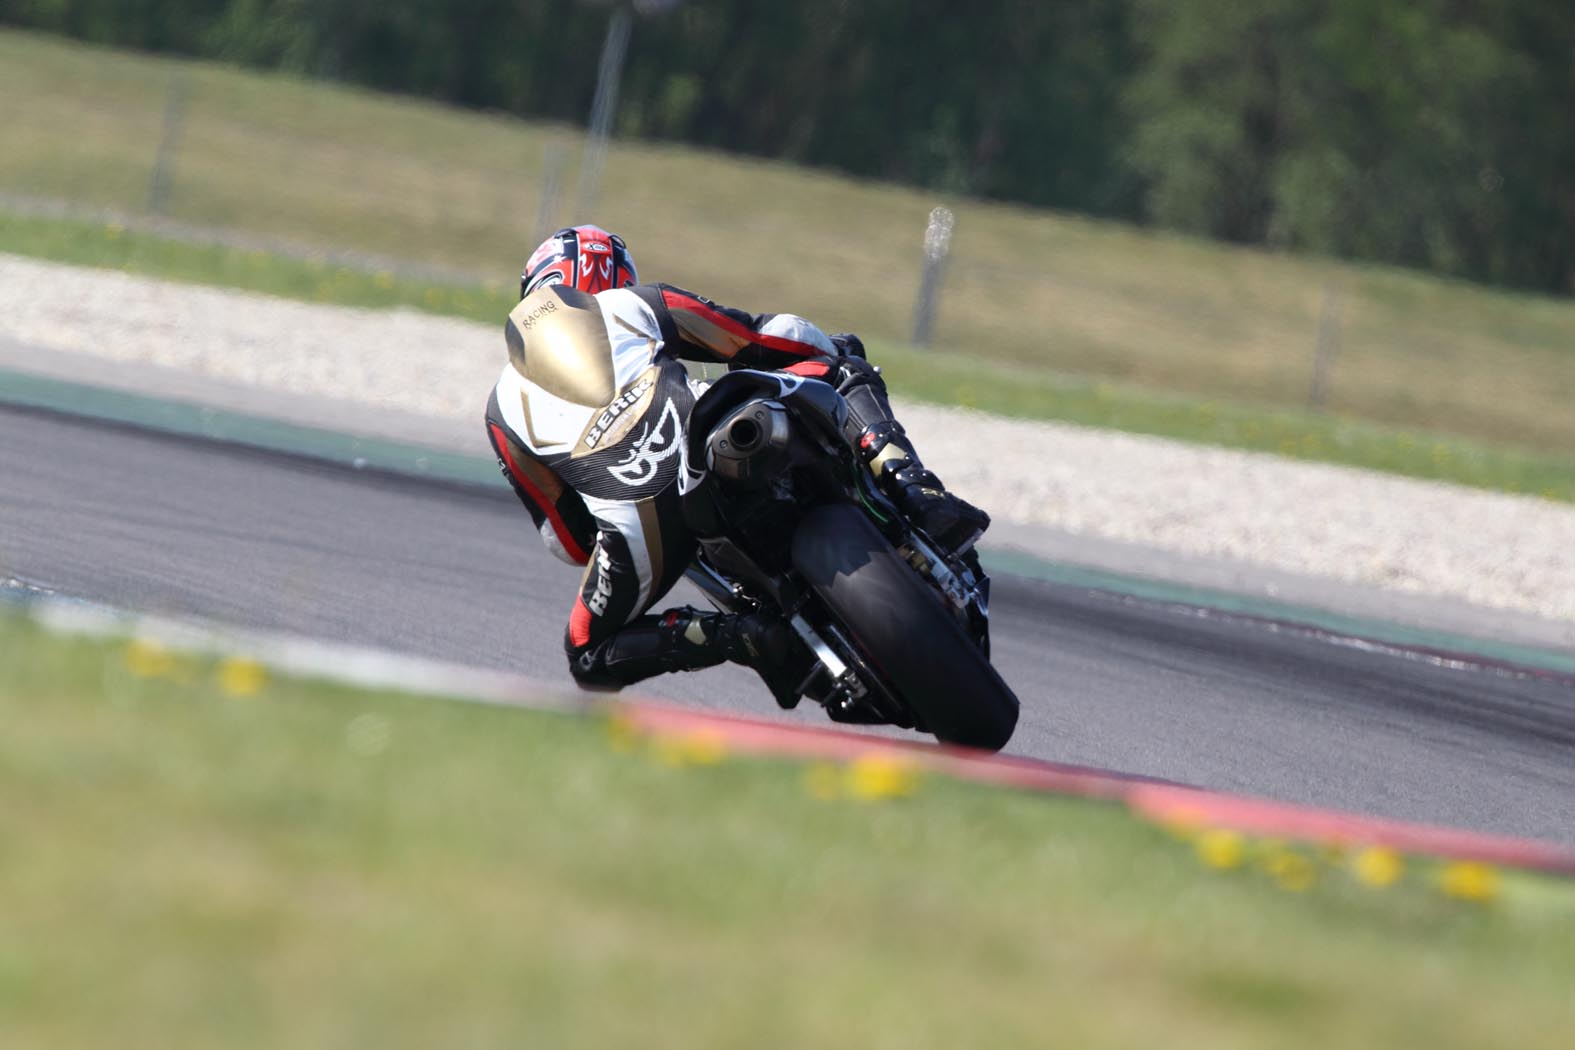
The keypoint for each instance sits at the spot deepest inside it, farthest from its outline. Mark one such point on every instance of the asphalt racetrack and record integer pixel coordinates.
(254, 539)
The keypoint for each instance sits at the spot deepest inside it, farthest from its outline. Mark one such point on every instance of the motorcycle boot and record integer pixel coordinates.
(677, 640)
(685, 639)
(768, 646)
(950, 521)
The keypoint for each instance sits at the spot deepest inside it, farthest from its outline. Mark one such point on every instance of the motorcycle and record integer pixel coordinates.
(791, 523)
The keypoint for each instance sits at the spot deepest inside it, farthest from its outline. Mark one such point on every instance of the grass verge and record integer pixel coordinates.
(193, 853)
(993, 386)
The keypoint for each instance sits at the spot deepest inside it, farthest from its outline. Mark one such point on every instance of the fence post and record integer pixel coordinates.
(1328, 347)
(169, 142)
(937, 245)
(553, 162)
(604, 106)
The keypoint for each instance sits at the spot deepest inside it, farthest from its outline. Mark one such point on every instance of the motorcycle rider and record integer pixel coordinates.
(587, 421)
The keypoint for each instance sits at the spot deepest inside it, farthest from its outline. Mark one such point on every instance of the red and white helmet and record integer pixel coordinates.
(584, 257)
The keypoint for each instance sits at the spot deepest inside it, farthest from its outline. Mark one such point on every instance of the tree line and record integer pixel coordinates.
(1431, 133)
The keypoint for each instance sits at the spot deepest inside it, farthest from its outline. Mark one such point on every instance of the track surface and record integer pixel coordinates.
(258, 540)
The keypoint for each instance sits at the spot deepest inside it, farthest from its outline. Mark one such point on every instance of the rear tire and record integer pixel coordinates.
(901, 627)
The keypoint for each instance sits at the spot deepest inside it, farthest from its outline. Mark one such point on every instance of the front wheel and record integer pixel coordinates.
(901, 627)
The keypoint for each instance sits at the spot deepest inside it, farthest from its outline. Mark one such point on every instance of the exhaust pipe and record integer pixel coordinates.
(751, 444)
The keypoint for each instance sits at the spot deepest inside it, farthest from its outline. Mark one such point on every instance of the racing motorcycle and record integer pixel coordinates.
(791, 523)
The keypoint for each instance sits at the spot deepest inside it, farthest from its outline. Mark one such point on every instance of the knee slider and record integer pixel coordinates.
(590, 671)
(588, 665)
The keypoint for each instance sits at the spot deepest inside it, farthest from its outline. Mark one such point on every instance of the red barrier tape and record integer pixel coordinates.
(1157, 800)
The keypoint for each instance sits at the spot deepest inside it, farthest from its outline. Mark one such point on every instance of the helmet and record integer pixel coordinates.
(585, 257)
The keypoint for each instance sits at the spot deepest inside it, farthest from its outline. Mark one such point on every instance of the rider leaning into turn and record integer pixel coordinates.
(587, 421)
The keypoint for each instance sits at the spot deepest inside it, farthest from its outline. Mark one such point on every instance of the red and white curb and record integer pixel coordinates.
(1176, 805)
(1171, 804)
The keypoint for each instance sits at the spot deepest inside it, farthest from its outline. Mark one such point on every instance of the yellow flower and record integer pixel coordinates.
(701, 747)
(622, 734)
(1290, 870)
(1378, 867)
(148, 659)
(877, 776)
(114, 230)
(1221, 849)
(383, 279)
(706, 747)
(239, 676)
(1181, 826)
(1469, 881)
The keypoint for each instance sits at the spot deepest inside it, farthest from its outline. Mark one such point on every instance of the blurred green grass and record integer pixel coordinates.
(1001, 387)
(1042, 292)
(189, 860)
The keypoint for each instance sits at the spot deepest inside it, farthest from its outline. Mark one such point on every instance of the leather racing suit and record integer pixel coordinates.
(587, 421)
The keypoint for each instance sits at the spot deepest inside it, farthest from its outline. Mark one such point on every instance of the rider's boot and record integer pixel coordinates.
(685, 639)
(952, 522)
(949, 520)
(768, 645)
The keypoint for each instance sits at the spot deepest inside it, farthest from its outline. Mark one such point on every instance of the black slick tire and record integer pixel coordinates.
(902, 628)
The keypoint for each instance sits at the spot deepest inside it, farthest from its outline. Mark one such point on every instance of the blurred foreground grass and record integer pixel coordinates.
(1000, 387)
(1049, 295)
(196, 854)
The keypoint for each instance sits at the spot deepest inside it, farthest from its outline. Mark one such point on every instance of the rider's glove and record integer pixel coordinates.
(848, 344)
